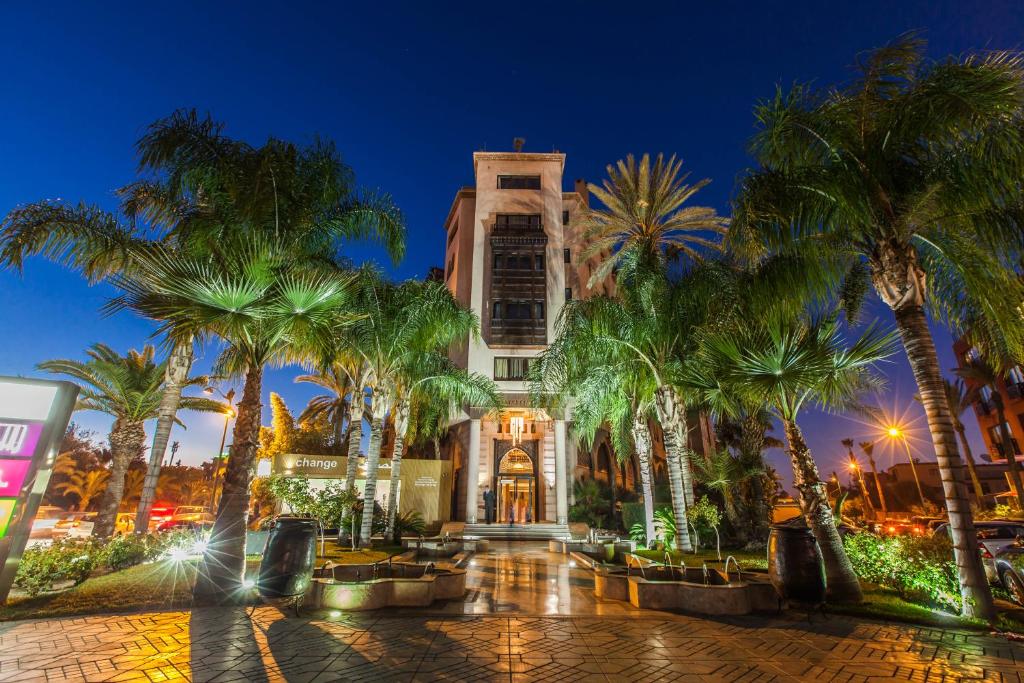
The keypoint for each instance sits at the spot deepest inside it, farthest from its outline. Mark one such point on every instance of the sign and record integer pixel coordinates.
(34, 415)
(426, 482)
(313, 465)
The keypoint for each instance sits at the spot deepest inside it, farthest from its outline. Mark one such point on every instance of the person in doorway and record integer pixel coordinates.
(488, 505)
(511, 512)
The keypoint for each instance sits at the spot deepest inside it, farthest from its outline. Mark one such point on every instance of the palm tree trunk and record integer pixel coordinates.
(401, 424)
(1012, 466)
(979, 493)
(223, 567)
(126, 440)
(437, 448)
(673, 431)
(878, 484)
(642, 441)
(339, 428)
(612, 466)
(920, 347)
(372, 462)
(355, 440)
(178, 367)
(840, 578)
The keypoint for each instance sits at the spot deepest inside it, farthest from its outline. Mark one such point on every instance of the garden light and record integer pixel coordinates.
(199, 547)
(334, 614)
(177, 554)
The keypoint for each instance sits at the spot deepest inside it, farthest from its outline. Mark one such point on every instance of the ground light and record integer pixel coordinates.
(248, 583)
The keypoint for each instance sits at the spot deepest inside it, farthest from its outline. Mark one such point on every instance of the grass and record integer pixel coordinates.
(165, 584)
(161, 585)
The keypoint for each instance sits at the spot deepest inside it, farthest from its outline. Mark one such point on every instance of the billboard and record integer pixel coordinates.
(34, 415)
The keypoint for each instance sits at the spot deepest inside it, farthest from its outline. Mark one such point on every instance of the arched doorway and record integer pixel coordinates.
(517, 488)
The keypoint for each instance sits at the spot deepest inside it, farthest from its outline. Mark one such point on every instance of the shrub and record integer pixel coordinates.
(129, 550)
(64, 560)
(633, 514)
(920, 569)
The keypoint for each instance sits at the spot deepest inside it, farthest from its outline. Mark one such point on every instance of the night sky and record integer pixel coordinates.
(408, 92)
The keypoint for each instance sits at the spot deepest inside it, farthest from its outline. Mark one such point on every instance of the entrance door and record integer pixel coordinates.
(516, 499)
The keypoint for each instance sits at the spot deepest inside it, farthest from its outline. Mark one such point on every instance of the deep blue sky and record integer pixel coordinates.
(408, 92)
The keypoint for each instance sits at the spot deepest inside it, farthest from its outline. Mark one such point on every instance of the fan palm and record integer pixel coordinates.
(784, 365)
(200, 188)
(130, 389)
(914, 170)
(264, 307)
(981, 373)
(645, 215)
(723, 473)
(400, 326)
(332, 406)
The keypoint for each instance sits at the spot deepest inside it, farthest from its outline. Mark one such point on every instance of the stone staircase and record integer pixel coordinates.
(542, 531)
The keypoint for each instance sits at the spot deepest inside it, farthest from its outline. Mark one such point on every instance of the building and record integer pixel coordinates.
(1012, 392)
(512, 256)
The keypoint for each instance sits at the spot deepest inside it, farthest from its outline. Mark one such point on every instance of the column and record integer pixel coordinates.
(561, 494)
(473, 472)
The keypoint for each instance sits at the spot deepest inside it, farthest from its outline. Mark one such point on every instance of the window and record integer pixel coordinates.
(453, 233)
(524, 262)
(538, 262)
(995, 435)
(1015, 375)
(496, 310)
(566, 256)
(568, 293)
(565, 218)
(506, 368)
(518, 220)
(519, 182)
(538, 310)
(451, 267)
(497, 261)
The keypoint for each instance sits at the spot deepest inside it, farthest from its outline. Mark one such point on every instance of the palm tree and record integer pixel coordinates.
(133, 481)
(198, 190)
(723, 473)
(129, 388)
(399, 327)
(430, 377)
(785, 364)
(86, 486)
(748, 435)
(332, 406)
(912, 170)
(960, 399)
(857, 473)
(264, 306)
(645, 214)
(869, 449)
(982, 374)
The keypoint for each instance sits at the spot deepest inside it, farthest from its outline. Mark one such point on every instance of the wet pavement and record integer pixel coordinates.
(528, 616)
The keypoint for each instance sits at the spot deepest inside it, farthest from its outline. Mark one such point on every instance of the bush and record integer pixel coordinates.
(633, 514)
(129, 550)
(920, 569)
(64, 560)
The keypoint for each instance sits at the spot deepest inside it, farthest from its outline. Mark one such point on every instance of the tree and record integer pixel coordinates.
(786, 364)
(401, 329)
(198, 191)
(912, 170)
(129, 388)
(869, 449)
(724, 473)
(332, 406)
(85, 486)
(264, 306)
(747, 435)
(983, 374)
(857, 473)
(960, 398)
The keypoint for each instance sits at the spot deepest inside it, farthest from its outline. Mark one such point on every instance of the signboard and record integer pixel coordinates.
(34, 415)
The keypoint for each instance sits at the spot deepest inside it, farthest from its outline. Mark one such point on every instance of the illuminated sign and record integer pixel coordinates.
(19, 438)
(34, 415)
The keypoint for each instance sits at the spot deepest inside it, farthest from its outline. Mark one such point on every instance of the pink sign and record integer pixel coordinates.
(19, 439)
(12, 475)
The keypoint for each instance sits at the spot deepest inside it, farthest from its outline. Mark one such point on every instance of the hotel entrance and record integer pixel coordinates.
(516, 488)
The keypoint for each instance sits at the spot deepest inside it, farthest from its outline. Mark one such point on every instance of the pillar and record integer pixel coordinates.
(561, 493)
(473, 472)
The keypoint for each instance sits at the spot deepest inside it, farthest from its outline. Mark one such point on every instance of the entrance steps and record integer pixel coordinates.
(517, 532)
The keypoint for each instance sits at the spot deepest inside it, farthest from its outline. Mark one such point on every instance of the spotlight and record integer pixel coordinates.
(334, 614)
(248, 583)
(199, 547)
(178, 554)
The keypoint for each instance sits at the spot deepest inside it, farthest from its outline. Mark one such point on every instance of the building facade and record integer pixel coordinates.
(1011, 389)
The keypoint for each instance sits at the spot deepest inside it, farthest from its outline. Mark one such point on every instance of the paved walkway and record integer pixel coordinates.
(529, 617)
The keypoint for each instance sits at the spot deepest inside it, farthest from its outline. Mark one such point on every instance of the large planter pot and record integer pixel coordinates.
(287, 566)
(795, 566)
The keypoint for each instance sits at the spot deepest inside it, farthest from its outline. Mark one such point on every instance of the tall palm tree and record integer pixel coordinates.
(858, 474)
(399, 326)
(86, 486)
(264, 307)
(129, 388)
(869, 449)
(960, 400)
(913, 169)
(982, 374)
(197, 188)
(429, 376)
(785, 365)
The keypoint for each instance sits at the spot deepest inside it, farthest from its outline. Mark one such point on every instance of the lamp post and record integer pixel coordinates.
(897, 433)
(229, 397)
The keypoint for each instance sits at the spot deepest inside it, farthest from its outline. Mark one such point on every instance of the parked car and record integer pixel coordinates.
(993, 537)
(203, 523)
(1009, 568)
(83, 526)
(45, 522)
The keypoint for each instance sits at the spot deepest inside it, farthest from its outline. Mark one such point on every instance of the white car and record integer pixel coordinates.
(993, 537)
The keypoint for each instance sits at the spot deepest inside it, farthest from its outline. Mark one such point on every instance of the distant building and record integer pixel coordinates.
(899, 479)
(1012, 392)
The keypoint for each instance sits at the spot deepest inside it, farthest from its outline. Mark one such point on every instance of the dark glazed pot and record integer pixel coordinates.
(795, 567)
(287, 566)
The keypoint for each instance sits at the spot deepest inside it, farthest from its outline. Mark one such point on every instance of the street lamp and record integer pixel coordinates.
(897, 433)
(230, 413)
